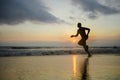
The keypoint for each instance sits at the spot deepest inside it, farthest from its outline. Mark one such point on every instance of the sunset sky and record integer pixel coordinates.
(52, 22)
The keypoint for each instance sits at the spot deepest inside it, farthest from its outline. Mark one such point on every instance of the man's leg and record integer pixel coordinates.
(82, 42)
(87, 50)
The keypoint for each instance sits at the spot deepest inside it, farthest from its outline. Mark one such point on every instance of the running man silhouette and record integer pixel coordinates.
(84, 36)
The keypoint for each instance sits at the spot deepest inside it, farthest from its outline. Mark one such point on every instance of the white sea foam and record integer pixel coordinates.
(37, 51)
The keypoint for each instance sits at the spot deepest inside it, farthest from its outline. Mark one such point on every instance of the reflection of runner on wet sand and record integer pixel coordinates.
(84, 36)
(80, 72)
(85, 69)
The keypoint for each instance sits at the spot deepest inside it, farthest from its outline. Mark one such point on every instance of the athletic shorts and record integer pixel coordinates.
(82, 42)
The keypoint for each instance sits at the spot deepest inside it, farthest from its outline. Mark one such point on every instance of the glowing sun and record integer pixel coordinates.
(73, 40)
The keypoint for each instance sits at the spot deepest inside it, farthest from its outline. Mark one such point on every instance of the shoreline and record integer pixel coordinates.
(7, 51)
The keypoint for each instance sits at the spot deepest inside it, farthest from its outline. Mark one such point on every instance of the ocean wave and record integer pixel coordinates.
(38, 51)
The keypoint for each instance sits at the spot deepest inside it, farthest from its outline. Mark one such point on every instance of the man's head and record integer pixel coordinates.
(79, 25)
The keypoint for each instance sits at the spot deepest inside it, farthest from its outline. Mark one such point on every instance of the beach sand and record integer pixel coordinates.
(60, 67)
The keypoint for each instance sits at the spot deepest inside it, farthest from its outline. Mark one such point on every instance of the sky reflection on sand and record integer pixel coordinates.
(62, 67)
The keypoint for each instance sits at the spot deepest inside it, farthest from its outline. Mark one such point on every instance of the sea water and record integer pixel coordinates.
(60, 67)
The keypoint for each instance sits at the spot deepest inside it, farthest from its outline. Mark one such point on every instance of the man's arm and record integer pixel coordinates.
(88, 30)
(75, 35)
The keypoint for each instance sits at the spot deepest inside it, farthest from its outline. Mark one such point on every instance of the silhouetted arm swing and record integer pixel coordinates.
(87, 30)
(76, 34)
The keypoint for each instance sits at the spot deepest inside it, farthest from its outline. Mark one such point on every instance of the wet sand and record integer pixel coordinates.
(62, 67)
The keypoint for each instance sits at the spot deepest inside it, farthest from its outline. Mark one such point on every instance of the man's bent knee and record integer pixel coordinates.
(80, 44)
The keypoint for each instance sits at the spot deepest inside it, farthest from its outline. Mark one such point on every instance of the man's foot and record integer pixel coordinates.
(86, 47)
(89, 55)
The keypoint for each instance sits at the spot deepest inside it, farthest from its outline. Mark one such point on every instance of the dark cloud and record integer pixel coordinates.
(17, 11)
(95, 7)
(113, 3)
